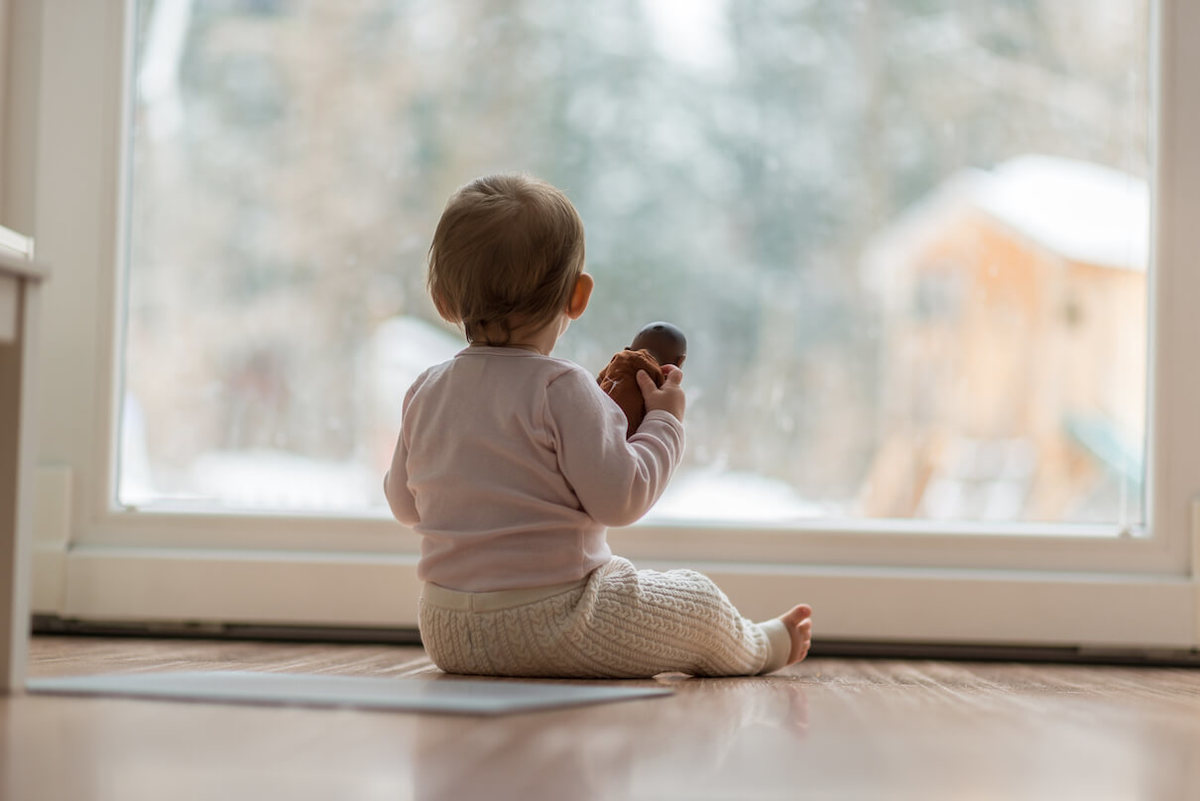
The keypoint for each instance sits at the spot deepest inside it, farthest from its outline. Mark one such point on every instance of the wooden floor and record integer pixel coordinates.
(828, 728)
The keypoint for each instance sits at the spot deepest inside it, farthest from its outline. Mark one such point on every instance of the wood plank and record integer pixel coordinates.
(831, 728)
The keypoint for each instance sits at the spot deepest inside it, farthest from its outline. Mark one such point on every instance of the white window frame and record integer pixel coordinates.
(870, 580)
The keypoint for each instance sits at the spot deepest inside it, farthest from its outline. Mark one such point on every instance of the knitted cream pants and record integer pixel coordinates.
(619, 622)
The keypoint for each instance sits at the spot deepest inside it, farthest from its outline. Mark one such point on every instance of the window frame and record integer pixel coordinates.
(96, 560)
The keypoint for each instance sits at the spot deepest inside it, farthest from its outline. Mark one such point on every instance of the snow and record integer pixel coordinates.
(136, 485)
(719, 496)
(158, 75)
(404, 347)
(692, 32)
(284, 481)
(276, 480)
(1084, 212)
(266, 480)
(400, 350)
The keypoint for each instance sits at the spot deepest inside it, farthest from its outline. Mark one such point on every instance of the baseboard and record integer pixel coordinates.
(966, 652)
(52, 625)
(403, 636)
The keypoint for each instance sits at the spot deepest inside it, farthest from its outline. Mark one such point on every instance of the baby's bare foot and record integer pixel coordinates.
(798, 621)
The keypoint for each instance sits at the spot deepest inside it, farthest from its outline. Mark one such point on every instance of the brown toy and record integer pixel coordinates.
(655, 345)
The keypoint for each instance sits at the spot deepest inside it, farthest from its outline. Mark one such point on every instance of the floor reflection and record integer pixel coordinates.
(623, 750)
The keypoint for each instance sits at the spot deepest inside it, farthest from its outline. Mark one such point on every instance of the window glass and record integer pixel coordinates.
(907, 240)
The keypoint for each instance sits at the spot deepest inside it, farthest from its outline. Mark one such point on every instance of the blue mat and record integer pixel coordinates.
(438, 695)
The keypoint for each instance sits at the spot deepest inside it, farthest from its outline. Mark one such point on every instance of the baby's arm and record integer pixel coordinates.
(395, 487)
(616, 481)
(395, 481)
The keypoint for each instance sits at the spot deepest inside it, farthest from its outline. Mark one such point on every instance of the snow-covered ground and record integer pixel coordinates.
(283, 482)
(713, 495)
(280, 481)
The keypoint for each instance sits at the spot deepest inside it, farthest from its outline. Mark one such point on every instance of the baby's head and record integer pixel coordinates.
(505, 257)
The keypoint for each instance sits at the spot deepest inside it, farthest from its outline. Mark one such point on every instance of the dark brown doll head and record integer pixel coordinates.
(665, 342)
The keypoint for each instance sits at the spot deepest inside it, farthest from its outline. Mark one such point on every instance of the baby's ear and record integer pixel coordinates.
(580, 295)
(682, 359)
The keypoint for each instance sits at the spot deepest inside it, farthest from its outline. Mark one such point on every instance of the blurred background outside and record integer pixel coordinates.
(907, 240)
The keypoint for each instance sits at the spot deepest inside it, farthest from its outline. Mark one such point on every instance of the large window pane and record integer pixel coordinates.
(908, 240)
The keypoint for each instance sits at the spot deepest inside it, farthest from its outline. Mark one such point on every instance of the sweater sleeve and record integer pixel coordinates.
(395, 481)
(616, 480)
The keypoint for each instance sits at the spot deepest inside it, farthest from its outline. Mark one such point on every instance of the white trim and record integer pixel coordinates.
(49, 579)
(1173, 432)
(984, 607)
(51, 534)
(16, 248)
(876, 579)
(80, 125)
(900, 544)
(240, 586)
(381, 591)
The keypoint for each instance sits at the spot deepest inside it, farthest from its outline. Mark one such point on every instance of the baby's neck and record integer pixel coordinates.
(542, 340)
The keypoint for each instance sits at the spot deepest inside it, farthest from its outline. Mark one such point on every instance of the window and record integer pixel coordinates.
(909, 241)
(919, 249)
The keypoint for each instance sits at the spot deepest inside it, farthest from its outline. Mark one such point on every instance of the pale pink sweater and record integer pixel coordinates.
(511, 464)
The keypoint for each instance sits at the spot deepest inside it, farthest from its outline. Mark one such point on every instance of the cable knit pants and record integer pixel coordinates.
(619, 622)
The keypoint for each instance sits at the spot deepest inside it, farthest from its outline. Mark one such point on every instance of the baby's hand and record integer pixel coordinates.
(670, 397)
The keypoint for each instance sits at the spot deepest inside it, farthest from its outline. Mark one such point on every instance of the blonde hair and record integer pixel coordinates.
(506, 256)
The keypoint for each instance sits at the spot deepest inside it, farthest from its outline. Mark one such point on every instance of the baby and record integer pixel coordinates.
(510, 464)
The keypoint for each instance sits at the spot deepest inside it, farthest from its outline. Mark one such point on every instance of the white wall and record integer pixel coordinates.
(5, 55)
(20, 33)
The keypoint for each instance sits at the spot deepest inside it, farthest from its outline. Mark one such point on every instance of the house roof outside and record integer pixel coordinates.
(1077, 210)
(1084, 212)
